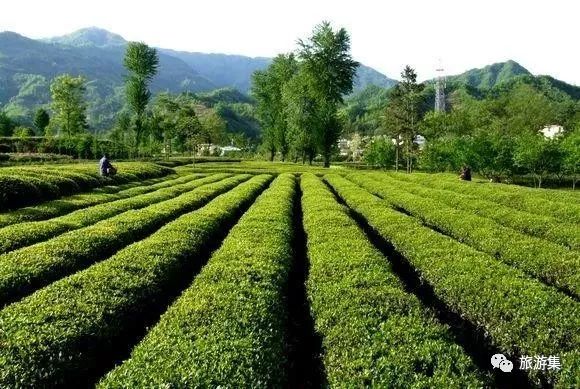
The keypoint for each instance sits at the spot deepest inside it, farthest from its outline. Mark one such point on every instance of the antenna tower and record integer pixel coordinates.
(440, 90)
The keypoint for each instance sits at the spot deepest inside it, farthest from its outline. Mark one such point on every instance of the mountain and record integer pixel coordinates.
(233, 71)
(91, 37)
(27, 67)
(489, 76)
(236, 70)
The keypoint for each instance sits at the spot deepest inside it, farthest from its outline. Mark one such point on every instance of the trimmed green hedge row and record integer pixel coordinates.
(374, 333)
(24, 234)
(558, 195)
(227, 329)
(100, 195)
(22, 271)
(69, 330)
(546, 227)
(547, 261)
(521, 316)
(568, 212)
(22, 186)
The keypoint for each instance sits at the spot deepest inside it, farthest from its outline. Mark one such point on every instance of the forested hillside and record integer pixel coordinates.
(27, 67)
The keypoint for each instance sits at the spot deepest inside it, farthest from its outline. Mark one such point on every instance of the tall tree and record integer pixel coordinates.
(7, 125)
(571, 149)
(68, 104)
(326, 58)
(41, 120)
(394, 121)
(267, 87)
(302, 115)
(538, 156)
(142, 63)
(411, 102)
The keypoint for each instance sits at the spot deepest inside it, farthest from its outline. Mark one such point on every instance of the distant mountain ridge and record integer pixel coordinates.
(90, 36)
(27, 67)
(490, 75)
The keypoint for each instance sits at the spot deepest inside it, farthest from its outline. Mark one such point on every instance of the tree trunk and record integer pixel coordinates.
(397, 157)
(326, 160)
(272, 153)
(539, 181)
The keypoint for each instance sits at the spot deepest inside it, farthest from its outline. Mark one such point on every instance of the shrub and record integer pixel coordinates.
(520, 315)
(22, 271)
(48, 182)
(64, 334)
(227, 328)
(25, 234)
(544, 260)
(374, 333)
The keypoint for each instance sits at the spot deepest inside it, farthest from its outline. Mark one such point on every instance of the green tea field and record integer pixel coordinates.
(266, 275)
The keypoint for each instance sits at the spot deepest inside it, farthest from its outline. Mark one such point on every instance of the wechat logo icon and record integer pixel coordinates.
(499, 361)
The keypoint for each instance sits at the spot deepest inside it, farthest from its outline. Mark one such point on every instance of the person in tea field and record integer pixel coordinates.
(465, 173)
(106, 168)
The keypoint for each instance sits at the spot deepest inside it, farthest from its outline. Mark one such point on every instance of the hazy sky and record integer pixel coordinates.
(543, 36)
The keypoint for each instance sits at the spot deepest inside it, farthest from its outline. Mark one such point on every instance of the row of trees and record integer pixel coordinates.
(298, 96)
(496, 132)
(166, 123)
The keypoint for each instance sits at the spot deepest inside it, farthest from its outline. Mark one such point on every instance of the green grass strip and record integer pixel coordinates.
(549, 262)
(568, 212)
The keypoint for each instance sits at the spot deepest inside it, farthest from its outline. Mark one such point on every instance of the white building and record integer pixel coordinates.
(552, 131)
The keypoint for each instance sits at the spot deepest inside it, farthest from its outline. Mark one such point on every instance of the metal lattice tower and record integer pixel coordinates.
(440, 91)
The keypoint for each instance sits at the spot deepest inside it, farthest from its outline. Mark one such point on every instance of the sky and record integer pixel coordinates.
(543, 36)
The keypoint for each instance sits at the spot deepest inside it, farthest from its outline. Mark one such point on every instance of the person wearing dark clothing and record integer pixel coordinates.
(465, 173)
(106, 168)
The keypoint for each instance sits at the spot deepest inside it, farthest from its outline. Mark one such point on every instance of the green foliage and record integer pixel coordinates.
(142, 62)
(543, 226)
(235, 305)
(28, 185)
(68, 104)
(68, 349)
(534, 256)
(514, 310)
(538, 156)
(7, 125)
(301, 111)
(571, 149)
(25, 234)
(446, 153)
(402, 116)
(183, 123)
(48, 261)
(380, 153)
(366, 318)
(267, 90)
(326, 59)
(41, 120)
(491, 75)
(548, 203)
(59, 207)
